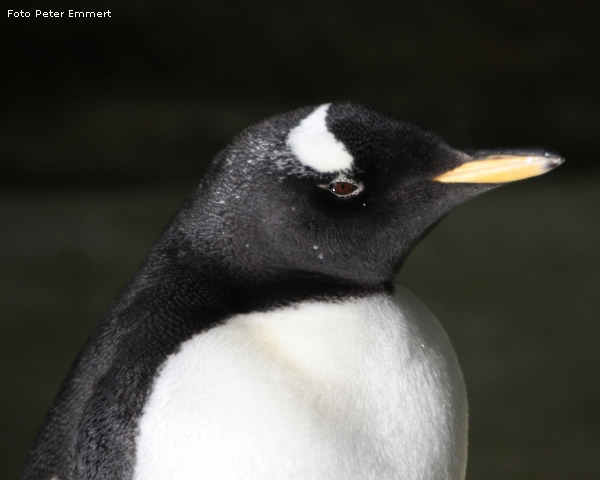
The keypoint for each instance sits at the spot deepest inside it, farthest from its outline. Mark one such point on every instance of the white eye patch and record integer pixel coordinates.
(316, 147)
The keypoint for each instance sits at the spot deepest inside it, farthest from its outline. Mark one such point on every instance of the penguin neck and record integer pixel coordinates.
(212, 269)
(204, 283)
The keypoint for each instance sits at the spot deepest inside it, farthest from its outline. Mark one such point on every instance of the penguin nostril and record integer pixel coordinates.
(343, 188)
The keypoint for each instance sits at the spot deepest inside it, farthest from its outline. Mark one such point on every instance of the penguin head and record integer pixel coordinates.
(339, 190)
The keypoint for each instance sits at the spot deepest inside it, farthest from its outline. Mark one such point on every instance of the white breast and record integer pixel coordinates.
(368, 388)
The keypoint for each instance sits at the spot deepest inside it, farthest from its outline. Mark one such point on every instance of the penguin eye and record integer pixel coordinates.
(343, 188)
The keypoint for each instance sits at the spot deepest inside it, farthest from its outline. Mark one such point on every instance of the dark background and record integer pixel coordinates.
(106, 124)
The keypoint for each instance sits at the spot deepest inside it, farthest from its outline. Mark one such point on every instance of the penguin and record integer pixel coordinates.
(263, 337)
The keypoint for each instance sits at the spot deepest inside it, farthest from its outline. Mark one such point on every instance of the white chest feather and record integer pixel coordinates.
(357, 390)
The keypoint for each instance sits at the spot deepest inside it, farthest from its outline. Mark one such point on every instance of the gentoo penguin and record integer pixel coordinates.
(263, 337)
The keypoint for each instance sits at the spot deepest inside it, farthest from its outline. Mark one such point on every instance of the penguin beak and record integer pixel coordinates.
(489, 167)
